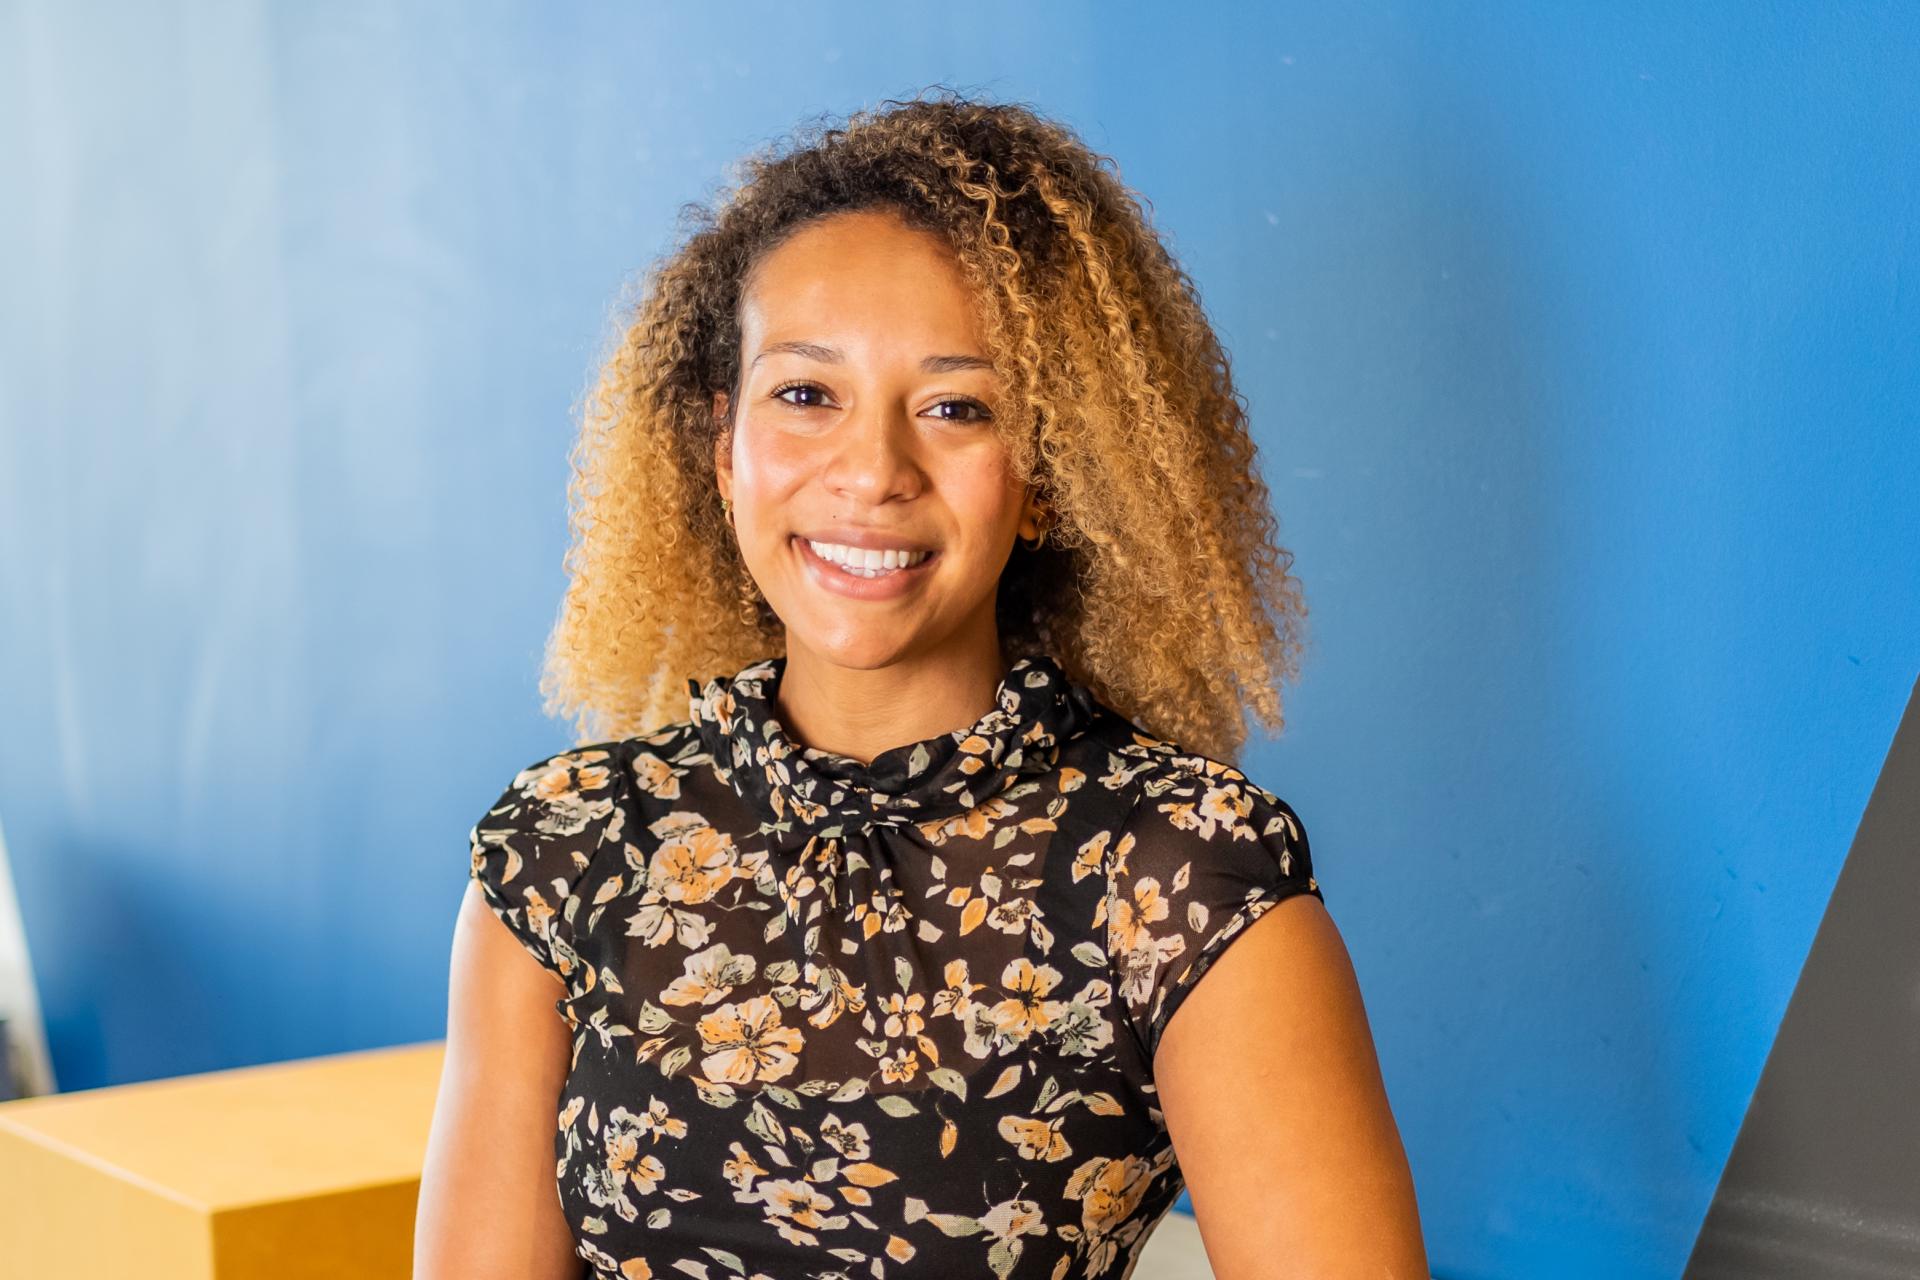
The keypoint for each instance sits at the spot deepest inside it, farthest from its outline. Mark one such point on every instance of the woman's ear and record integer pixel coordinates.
(1033, 514)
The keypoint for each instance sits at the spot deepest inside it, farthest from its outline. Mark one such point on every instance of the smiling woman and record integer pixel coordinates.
(867, 950)
(1041, 313)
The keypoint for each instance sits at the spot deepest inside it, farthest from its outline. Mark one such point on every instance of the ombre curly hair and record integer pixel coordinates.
(1161, 585)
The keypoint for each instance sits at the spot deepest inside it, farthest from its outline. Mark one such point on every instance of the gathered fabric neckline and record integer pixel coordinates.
(802, 792)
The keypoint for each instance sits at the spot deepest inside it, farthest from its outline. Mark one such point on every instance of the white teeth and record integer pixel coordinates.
(866, 562)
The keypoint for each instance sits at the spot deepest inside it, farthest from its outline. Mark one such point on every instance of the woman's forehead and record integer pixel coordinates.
(863, 291)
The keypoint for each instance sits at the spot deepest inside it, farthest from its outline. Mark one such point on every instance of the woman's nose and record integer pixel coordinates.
(874, 456)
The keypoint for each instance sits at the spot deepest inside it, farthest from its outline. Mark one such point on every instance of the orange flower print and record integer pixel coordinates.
(954, 999)
(745, 1042)
(622, 1135)
(976, 823)
(1036, 1139)
(797, 1209)
(646, 1173)
(1026, 1009)
(903, 1014)
(1226, 806)
(1138, 955)
(607, 1183)
(879, 914)
(1108, 1191)
(828, 994)
(1092, 856)
(797, 886)
(1015, 916)
(742, 1169)
(850, 1140)
(592, 777)
(899, 1066)
(1129, 916)
(564, 810)
(655, 776)
(552, 784)
(999, 1028)
(658, 1123)
(692, 868)
(789, 804)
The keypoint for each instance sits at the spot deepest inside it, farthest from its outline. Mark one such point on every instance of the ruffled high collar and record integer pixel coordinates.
(800, 792)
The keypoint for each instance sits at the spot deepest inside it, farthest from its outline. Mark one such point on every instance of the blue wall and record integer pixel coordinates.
(1582, 344)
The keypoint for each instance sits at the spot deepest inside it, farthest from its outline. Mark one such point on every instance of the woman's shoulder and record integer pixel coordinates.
(563, 794)
(1176, 789)
(1201, 836)
(532, 846)
(1205, 851)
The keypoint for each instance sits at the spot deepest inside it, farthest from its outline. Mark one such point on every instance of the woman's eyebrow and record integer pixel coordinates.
(833, 355)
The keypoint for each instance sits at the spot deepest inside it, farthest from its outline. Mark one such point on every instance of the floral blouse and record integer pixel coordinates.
(894, 1019)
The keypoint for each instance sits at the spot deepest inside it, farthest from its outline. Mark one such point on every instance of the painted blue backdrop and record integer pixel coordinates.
(1582, 344)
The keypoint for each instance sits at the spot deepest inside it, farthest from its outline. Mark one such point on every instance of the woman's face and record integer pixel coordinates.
(864, 434)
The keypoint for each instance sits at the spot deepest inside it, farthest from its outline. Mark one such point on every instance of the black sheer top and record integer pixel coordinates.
(895, 1019)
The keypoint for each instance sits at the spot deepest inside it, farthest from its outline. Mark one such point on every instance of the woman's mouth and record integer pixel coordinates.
(863, 572)
(868, 562)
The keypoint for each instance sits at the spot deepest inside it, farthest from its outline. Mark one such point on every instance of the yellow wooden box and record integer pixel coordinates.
(293, 1170)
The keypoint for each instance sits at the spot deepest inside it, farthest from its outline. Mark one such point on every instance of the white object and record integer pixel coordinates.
(19, 998)
(1174, 1251)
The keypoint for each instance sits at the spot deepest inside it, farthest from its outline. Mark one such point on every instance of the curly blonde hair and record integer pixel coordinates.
(1161, 585)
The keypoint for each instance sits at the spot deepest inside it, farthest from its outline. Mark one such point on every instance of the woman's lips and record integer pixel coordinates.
(831, 577)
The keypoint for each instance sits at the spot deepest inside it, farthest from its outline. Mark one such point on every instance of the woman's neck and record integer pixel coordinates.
(863, 711)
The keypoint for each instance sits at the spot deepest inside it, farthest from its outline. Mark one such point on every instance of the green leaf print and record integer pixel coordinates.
(950, 1080)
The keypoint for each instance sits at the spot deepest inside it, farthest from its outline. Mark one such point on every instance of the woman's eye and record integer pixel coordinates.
(781, 393)
(978, 410)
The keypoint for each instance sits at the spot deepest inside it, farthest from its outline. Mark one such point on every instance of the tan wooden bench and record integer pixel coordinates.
(293, 1170)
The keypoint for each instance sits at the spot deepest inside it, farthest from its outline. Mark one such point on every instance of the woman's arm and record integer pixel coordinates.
(1279, 1118)
(488, 1206)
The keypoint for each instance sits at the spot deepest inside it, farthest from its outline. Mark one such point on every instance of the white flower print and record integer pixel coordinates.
(710, 976)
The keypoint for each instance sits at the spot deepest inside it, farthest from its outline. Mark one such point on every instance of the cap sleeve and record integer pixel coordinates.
(531, 848)
(1205, 853)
